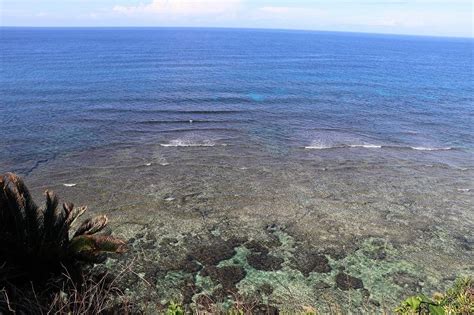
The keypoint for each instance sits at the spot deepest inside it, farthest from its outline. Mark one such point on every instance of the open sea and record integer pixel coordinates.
(334, 139)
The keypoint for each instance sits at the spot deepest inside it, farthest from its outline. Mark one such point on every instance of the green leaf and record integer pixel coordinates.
(413, 302)
(174, 309)
(81, 244)
(436, 309)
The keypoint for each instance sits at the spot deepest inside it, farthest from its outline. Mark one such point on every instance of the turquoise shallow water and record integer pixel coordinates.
(354, 147)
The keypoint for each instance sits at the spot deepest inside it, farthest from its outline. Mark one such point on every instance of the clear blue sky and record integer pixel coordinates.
(423, 17)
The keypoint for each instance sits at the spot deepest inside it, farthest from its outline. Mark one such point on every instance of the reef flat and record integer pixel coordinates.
(330, 235)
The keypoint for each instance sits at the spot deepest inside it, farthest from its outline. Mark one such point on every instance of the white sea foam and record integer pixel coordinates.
(430, 148)
(367, 146)
(374, 146)
(323, 147)
(69, 185)
(318, 147)
(464, 190)
(187, 143)
(148, 164)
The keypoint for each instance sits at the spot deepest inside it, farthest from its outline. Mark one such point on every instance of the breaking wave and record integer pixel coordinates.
(189, 143)
(376, 146)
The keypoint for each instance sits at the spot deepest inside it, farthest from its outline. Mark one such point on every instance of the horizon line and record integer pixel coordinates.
(238, 28)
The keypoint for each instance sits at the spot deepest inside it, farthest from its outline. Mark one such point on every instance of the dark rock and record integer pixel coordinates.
(346, 282)
(227, 276)
(265, 289)
(236, 241)
(256, 247)
(211, 255)
(189, 265)
(308, 262)
(262, 261)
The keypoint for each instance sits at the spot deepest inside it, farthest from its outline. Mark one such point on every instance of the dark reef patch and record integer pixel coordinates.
(227, 276)
(256, 247)
(211, 255)
(265, 289)
(266, 262)
(260, 259)
(188, 264)
(307, 262)
(346, 282)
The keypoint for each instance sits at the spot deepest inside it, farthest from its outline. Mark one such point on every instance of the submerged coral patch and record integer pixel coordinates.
(211, 255)
(263, 261)
(346, 282)
(227, 276)
(308, 262)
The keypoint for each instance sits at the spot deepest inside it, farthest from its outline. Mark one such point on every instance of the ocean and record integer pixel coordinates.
(334, 139)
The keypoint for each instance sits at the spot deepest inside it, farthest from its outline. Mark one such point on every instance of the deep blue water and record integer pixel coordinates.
(66, 90)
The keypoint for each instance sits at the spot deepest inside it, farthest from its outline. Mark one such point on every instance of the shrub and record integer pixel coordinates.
(36, 242)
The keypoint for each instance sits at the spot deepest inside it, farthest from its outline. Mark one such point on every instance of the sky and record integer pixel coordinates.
(414, 17)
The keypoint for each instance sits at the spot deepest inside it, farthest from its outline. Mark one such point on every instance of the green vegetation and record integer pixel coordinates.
(42, 259)
(174, 309)
(38, 241)
(459, 299)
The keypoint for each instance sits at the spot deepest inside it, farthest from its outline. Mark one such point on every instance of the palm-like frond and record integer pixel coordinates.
(92, 226)
(41, 236)
(93, 247)
(19, 216)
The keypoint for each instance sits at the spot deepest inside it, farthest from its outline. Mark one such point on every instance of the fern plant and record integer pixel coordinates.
(38, 240)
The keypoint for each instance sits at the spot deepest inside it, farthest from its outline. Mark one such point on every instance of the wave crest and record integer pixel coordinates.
(189, 143)
(376, 146)
(431, 148)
